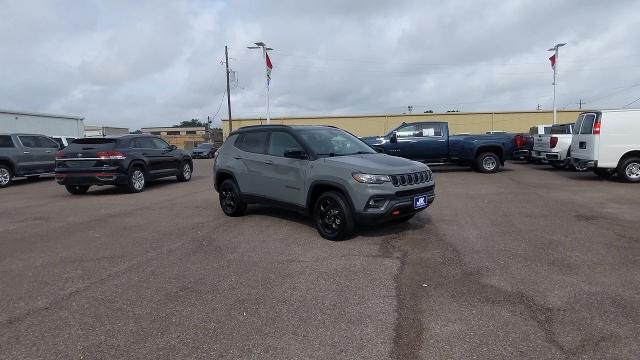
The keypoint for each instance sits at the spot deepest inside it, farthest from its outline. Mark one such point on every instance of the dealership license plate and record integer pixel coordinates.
(420, 202)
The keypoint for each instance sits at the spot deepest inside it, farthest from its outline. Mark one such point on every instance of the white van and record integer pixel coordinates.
(608, 141)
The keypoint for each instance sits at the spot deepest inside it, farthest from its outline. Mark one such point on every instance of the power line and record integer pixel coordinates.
(632, 102)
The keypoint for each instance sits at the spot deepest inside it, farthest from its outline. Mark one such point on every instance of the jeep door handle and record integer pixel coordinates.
(237, 157)
(268, 162)
(26, 152)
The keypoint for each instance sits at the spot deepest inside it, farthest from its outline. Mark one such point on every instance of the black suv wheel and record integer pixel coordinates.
(137, 179)
(332, 216)
(77, 189)
(185, 172)
(230, 201)
(5, 176)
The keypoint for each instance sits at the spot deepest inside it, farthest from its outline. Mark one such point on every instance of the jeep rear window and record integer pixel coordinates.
(5, 141)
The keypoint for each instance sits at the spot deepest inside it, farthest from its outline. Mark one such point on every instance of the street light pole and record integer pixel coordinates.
(263, 46)
(555, 80)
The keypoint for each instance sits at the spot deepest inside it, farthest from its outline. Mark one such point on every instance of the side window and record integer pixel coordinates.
(160, 144)
(430, 130)
(252, 142)
(587, 124)
(407, 131)
(5, 141)
(58, 140)
(45, 142)
(143, 143)
(280, 142)
(29, 141)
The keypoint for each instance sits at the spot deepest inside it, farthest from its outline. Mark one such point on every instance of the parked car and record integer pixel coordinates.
(128, 161)
(524, 152)
(63, 141)
(321, 171)
(608, 142)
(203, 151)
(430, 142)
(25, 155)
(555, 147)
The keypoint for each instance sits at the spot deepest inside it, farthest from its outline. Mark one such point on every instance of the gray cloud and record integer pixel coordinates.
(147, 63)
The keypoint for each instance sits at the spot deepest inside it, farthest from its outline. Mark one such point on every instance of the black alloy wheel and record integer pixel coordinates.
(230, 201)
(332, 217)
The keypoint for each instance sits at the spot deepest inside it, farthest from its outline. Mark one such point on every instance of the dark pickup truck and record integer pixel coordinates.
(430, 142)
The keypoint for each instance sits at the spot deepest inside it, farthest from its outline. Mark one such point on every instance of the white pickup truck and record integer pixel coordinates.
(609, 143)
(555, 147)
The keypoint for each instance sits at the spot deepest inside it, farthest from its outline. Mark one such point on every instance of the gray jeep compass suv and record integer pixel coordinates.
(321, 171)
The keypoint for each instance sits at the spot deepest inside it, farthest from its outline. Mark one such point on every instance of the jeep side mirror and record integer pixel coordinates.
(172, 147)
(394, 137)
(295, 154)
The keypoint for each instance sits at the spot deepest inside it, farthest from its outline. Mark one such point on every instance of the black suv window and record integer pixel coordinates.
(160, 144)
(5, 141)
(280, 142)
(252, 142)
(143, 143)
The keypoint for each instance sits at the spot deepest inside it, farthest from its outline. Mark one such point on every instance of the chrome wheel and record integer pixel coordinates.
(489, 163)
(186, 171)
(330, 216)
(137, 179)
(633, 170)
(5, 176)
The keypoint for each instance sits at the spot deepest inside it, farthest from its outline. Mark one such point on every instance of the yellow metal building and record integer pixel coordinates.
(459, 122)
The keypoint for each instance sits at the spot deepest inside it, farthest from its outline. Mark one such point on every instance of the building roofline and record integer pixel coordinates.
(57, 116)
(408, 115)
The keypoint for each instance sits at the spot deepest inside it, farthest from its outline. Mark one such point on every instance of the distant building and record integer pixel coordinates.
(100, 131)
(185, 137)
(40, 123)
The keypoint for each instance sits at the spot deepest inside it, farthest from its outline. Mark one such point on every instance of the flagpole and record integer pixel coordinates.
(266, 82)
(555, 80)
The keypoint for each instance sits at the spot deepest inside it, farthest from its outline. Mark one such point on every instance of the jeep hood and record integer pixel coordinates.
(376, 164)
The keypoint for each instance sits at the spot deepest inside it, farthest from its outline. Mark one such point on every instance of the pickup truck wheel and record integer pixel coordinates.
(77, 189)
(333, 217)
(6, 176)
(629, 170)
(487, 162)
(185, 172)
(137, 179)
(230, 201)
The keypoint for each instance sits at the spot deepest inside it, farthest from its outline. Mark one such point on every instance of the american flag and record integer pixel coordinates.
(269, 67)
(553, 61)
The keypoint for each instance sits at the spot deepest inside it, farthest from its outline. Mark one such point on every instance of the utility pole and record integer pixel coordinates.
(538, 107)
(554, 63)
(580, 102)
(226, 61)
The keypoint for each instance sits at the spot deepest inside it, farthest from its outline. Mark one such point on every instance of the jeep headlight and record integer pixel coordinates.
(371, 179)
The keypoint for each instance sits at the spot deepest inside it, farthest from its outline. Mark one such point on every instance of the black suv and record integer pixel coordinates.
(128, 161)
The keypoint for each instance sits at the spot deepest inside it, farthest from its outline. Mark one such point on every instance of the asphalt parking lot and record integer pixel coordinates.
(531, 262)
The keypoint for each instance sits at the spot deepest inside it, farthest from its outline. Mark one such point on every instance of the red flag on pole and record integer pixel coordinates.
(269, 67)
(553, 61)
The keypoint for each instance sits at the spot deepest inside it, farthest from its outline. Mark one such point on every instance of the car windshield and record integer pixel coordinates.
(204, 146)
(334, 142)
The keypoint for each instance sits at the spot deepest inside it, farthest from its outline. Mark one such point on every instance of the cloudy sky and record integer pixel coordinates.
(147, 63)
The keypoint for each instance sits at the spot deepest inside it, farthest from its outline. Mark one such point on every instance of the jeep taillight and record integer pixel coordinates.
(596, 127)
(111, 155)
(60, 154)
(553, 142)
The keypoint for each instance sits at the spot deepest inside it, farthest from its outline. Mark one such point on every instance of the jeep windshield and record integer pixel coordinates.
(334, 142)
(204, 146)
